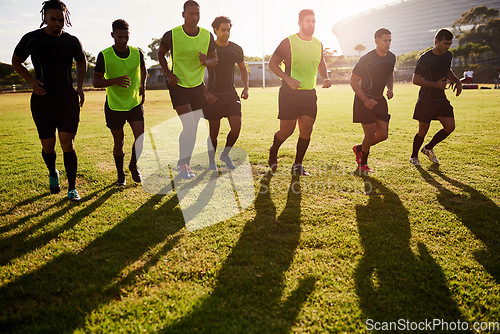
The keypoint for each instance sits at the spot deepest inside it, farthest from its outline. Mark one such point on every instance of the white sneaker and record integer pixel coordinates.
(430, 154)
(415, 161)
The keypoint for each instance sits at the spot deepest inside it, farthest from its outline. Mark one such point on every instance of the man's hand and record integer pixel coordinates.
(203, 58)
(211, 98)
(79, 90)
(123, 81)
(37, 87)
(370, 103)
(390, 94)
(441, 84)
(327, 83)
(293, 83)
(172, 80)
(244, 94)
(458, 88)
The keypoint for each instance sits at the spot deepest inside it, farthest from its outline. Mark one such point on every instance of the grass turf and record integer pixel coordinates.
(318, 254)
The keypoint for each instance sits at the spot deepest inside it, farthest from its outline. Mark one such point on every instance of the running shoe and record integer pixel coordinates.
(430, 154)
(213, 166)
(73, 195)
(227, 160)
(120, 182)
(358, 154)
(185, 172)
(273, 161)
(415, 161)
(136, 176)
(54, 186)
(366, 169)
(298, 169)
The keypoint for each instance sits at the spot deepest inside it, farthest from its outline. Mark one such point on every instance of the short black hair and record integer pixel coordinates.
(219, 20)
(381, 32)
(304, 12)
(444, 34)
(55, 4)
(119, 25)
(190, 3)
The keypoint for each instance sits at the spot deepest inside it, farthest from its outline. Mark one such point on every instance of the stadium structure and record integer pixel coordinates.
(413, 23)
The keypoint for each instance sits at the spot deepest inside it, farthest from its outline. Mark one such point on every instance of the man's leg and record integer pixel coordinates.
(368, 139)
(286, 129)
(138, 131)
(448, 127)
(49, 157)
(232, 136)
(418, 140)
(381, 131)
(214, 126)
(118, 155)
(67, 141)
(306, 125)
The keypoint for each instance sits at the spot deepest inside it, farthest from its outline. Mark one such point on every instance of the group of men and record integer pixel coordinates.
(120, 68)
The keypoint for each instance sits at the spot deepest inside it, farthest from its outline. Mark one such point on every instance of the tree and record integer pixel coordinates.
(360, 48)
(485, 28)
(90, 58)
(470, 49)
(154, 46)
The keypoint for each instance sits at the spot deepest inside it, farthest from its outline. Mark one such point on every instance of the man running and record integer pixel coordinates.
(221, 92)
(373, 72)
(55, 105)
(432, 70)
(192, 49)
(302, 54)
(121, 69)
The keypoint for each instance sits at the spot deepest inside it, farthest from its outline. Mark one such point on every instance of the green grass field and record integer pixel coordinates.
(339, 251)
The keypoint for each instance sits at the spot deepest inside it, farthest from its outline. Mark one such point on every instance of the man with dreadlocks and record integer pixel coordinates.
(55, 105)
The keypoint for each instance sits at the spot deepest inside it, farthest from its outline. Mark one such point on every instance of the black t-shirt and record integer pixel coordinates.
(52, 57)
(374, 72)
(221, 77)
(433, 67)
(100, 65)
(166, 40)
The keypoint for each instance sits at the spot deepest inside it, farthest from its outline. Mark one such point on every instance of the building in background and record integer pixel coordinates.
(413, 23)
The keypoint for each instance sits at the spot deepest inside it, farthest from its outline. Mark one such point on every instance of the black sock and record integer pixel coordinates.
(438, 137)
(133, 159)
(211, 150)
(50, 161)
(71, 165)
(230, 140)
(119, 166)
(417, 143)
(276, 145)
(364, 158)
(359, 148)
(186, 147)
(302, 145)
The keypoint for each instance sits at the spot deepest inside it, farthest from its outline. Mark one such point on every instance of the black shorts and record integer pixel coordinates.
(226, 105)
(195, 97)
(115, 120)
(56, 111)
(295, 103)
(428, 110)
(361, 114)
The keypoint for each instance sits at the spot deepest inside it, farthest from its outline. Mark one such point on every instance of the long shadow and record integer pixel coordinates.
(19, 244)
(393, 282)
(59, 296)
(248, 296)
(477, 212)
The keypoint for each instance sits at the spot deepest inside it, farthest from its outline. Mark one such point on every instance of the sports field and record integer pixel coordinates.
(339, 252)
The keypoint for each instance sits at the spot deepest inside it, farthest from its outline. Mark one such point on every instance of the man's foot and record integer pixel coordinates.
(366, 169)
(73, 195)
(298, 169)
(136, 176)
(120, 181)
(185, 172)
(273, 160)
(358, 154)
(227, 160)
(213, 167)
(415, 161)
(54, 186)
(430, 154)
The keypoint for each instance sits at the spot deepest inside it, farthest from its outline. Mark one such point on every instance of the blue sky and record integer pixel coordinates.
(149, 19)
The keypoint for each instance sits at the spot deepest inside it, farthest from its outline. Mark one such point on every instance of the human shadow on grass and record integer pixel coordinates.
(21, 243)
(57, 297)
(476, 211)
(392, 282)
(248, 295)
